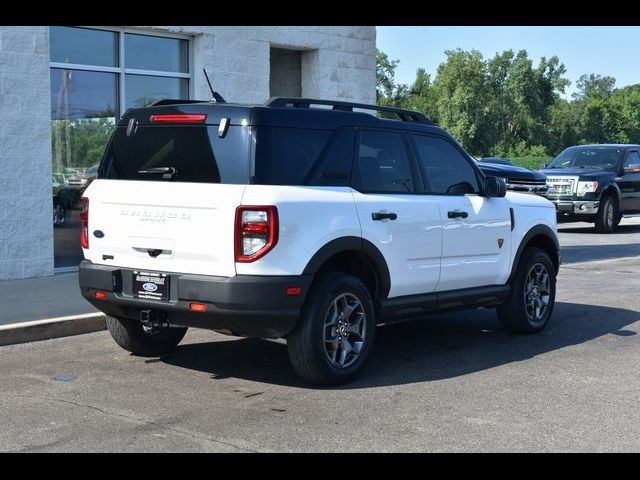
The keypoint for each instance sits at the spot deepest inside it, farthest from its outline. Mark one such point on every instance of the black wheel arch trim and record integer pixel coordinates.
(534, 232)
(611, 186)
(344, 244)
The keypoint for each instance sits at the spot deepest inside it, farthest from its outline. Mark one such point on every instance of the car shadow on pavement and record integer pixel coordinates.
(436, 348)
(588, 253)
(622, 229)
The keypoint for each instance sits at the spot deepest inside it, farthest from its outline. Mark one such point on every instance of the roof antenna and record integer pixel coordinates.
(215, 96)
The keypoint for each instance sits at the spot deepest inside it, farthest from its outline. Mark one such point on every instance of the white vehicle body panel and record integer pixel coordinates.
(411, 244)
(425, 251)
(476, 250)
(309, 218)
(192, 223)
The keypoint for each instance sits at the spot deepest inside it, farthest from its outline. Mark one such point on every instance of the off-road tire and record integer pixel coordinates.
(306, 343)
(514, 315)
(130, 335)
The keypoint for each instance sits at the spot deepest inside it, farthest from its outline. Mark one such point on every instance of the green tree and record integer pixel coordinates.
(462, 98)
(593, 85)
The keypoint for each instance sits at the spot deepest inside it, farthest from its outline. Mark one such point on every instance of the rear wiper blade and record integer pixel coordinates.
(167, 172)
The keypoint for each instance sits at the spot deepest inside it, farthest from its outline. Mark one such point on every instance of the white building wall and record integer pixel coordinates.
(26, 226)
(336, 63)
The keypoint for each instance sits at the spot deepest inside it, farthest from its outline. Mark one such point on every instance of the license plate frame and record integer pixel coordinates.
(151, 285)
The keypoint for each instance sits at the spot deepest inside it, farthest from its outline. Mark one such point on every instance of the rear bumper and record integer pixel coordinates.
(252, 306)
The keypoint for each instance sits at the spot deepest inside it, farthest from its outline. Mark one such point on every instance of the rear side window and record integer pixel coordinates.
(285, 156)
(633, 160)
(334, 165)
(195, 152)
(446, 170)
(382, 164)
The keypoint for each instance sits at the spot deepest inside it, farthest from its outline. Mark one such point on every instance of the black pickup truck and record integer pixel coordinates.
(595, 183)
(518, 179)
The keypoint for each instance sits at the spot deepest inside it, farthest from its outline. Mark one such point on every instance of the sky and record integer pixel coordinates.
(612, 51)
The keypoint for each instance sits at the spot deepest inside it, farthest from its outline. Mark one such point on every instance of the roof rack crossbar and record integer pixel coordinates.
(295, 102)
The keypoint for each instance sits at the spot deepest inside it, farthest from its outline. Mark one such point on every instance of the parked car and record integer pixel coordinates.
(518, 179)
(312, 224)
(82, 180)
(59, 210)
(496, 160)
(599, 184)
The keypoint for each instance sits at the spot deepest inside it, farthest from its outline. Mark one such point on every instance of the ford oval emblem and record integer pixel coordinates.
(98, 233)
(150, 287)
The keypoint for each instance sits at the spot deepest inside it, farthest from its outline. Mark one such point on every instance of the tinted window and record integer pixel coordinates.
(144, 90)
(149, 52)
(285, 156)
(446, 170)
(84, 45)
(585, 157)
(77, 94)
(196, 153)
(633, 160)
(334, 166)
(383, 164)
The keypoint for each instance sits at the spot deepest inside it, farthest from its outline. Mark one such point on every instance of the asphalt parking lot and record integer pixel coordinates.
(453, 382)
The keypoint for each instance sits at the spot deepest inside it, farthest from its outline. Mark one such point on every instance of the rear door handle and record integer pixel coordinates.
(457, 213)
(383, 216)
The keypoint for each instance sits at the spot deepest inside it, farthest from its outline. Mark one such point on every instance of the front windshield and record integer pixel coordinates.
(581, 157)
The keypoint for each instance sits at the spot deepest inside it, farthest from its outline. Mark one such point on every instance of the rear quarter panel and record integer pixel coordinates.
(309, 217)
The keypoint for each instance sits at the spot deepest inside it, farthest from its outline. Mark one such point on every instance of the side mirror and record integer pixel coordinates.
(542, 166)
(495, 187)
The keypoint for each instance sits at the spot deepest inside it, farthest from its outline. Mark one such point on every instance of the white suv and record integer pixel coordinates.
(295, 220)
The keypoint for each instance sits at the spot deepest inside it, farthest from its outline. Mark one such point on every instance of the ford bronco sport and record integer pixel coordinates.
(304, 219)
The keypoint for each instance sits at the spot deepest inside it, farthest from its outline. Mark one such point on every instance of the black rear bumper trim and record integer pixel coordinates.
(247, 305)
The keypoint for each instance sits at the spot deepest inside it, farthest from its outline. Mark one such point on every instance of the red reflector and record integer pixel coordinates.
(179, 118)
(293, 291)
(101, 295)
(198, 307)
(255, 227)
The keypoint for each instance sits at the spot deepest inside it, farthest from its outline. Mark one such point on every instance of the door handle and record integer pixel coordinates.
(457, 213)
(383, 216)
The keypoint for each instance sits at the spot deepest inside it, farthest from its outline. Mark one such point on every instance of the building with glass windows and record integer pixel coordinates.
(62, 90)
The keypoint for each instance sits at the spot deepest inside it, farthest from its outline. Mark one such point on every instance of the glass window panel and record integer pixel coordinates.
(156, 53)
(143, 90)
(285, 155)
(383, 164)
(448, 172)
(79, 94)
(84, 46)
(83, 117)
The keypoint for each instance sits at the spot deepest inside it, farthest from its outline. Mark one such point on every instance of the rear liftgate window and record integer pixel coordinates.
(193, 153)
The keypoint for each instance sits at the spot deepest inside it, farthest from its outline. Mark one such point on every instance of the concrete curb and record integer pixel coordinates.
(51, 328)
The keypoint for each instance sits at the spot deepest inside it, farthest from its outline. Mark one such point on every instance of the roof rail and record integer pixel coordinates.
(171, 101)
(295, 102)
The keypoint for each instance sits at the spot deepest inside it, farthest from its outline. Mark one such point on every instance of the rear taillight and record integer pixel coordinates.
(84, 223)
(256, 232)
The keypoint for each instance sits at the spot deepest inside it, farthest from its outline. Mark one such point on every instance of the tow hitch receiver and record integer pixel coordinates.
(152, 319)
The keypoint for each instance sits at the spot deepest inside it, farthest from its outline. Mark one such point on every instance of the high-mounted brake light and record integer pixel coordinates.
(84, 223)
(179, 118)
(256, 232)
